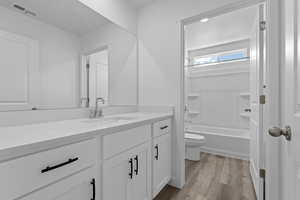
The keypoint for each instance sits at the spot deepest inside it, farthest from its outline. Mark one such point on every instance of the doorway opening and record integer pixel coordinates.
(95, 78)
(223, 93)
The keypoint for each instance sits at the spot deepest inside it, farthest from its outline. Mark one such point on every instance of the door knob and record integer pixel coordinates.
(277, 132)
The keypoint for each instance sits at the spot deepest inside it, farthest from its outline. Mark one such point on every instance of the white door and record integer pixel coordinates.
(256, 90)
(81, 186)
(127, 176)
(18, 72)
(98, 76)
(290, 161)
(161, 163)
(141, 186)
(118, 178)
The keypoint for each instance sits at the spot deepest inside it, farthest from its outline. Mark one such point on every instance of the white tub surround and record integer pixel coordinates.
(83, 157)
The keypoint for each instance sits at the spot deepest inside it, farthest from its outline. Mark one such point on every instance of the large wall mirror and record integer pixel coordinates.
(61, 54)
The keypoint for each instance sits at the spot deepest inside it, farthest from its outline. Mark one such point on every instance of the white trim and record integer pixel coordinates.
(232, 46)
(222, 10)
(219, 74)
(271, 109)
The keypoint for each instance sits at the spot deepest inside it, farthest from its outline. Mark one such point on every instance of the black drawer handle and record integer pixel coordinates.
(49, 168)
(136, 165)
(93, 183)
(131, 168)
(164, 127)
(156, 156)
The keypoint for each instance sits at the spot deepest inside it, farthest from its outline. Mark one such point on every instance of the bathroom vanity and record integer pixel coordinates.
(117, 157)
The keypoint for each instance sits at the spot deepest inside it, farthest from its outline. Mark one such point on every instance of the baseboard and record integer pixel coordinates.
(225, 153)
(175, 183)
(163, 184)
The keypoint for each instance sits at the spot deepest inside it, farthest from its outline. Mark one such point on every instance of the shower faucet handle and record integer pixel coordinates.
(186, 108)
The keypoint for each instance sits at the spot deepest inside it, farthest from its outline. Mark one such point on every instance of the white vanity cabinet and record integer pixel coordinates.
(132, 163)
(60, 173)
(161, 156)
(127, 172)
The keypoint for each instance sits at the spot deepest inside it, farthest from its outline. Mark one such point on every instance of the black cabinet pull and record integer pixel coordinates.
(163, 127)
(93, 183)
(49, 168)
(136, 165)
(156, 156)
(131, 168)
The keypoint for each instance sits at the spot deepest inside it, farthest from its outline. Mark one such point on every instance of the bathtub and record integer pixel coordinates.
(223, 141)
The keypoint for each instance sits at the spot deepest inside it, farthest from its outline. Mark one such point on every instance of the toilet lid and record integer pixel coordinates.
(194, 136)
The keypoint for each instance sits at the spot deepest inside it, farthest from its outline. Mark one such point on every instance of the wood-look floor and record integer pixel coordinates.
(213, 178)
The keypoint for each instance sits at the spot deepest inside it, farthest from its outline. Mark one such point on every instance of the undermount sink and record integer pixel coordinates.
(106, 120)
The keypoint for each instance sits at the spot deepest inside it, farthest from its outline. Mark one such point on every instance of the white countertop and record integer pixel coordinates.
(20, 140)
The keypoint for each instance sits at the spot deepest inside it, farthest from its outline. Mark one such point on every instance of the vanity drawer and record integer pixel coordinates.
(161, 127)
(26, 174)
(121, 141)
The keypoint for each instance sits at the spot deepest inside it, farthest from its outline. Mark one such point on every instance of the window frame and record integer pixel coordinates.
(217, 56)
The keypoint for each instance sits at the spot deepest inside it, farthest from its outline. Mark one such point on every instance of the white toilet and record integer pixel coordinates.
(193, 144)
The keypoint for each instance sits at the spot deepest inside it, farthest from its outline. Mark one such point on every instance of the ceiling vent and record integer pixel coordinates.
(24, 10)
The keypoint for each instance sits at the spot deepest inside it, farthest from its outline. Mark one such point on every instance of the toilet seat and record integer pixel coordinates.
(194, 138)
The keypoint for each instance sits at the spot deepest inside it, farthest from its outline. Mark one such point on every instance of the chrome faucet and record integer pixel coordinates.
(97, 112)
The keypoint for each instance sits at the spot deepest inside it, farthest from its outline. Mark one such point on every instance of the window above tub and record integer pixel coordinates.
(227, 56)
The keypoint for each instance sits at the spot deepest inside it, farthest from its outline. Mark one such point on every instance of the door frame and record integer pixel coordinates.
(290, 65)
(271, 113)
(33, 83)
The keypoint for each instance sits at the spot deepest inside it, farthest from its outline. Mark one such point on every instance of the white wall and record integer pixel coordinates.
(58, 58)
(122, 48)
(159, 60)
(220, 29)
(118, 11)
(219, 102)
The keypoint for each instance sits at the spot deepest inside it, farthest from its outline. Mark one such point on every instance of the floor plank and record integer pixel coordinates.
(213, 178)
